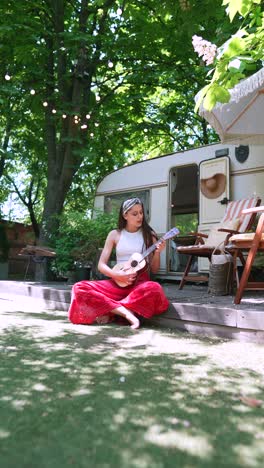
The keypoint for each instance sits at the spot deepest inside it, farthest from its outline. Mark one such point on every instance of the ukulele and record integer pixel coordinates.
(137, 261)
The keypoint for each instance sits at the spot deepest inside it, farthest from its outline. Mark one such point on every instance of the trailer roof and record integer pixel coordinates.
(153, 172)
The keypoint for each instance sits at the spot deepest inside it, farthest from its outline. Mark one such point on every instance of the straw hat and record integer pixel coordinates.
(214, 186)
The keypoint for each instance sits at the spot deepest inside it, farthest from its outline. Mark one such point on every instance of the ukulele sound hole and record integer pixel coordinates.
(134, 263)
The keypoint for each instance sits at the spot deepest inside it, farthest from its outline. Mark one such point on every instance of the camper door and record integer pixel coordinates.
(214, 190)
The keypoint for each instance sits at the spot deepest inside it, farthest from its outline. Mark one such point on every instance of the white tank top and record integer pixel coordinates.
(129, 243)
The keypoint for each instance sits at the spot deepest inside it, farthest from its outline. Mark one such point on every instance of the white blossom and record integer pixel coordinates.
(204, 49)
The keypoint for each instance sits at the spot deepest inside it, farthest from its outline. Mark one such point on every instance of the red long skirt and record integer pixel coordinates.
(92, 299)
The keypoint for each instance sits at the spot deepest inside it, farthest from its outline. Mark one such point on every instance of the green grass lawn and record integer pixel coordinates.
(104, 396)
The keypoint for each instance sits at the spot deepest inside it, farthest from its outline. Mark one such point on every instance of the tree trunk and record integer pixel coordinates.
(64, 157)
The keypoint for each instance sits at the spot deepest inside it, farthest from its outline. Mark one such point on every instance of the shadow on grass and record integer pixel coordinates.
(108, 397)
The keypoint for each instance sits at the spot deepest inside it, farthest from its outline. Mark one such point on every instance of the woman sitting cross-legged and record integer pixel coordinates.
(128, 294)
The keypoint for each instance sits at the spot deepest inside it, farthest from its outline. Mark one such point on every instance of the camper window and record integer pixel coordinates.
(112, 202)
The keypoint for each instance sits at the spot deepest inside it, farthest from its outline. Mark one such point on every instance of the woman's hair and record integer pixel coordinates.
(147, 231)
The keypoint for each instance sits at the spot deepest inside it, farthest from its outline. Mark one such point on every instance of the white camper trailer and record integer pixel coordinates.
(171, 188)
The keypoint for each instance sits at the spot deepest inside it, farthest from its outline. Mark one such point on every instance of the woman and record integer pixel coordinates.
(135, 295)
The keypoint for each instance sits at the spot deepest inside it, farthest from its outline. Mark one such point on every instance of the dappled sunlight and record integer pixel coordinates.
(253, 300)
(81, 392)
(139, 337)
(238, 354)
(222, 352)
(251, 455)
(88, 409)
(4, 434)
(143, 460)
(120, 418)
(116, 394)
(253, 427)
(151, 398)
(41, 388)
(197, 445)
(20, 405)
(240, 409)
(38, 363)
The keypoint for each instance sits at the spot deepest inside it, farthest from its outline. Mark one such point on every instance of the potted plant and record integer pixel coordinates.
(79, 242)
(4, 253)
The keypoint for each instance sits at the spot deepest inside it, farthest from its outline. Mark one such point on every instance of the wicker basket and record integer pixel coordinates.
(220, 279)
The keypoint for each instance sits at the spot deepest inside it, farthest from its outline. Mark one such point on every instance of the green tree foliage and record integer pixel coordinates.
(94, 85)
(80, 237)
(240, 56)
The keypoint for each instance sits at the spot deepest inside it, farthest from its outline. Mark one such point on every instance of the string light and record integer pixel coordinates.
(109, 151)
(119, 12)
(110, 64)
(77, 119)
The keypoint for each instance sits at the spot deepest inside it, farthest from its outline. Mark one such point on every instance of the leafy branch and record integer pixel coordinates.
(237, 58)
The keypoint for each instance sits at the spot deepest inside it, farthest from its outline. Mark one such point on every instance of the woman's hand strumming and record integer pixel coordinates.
(123, 277)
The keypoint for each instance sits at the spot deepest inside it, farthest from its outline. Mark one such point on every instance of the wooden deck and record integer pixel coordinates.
(194, 310)
(191, 309)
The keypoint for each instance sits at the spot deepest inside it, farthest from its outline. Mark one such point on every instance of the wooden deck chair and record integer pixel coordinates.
(251, 243)
(233, 222)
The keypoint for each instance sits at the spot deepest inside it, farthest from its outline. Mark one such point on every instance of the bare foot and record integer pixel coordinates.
(129, 316)
(135, 326)
(135, 323)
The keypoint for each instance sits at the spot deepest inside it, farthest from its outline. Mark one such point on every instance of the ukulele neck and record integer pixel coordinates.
(150, 249)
